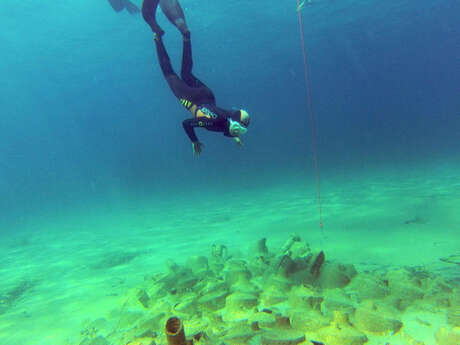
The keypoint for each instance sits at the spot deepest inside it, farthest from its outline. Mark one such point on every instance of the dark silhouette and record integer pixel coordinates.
(191, 92)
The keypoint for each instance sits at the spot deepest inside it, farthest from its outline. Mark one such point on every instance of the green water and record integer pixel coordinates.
(67, 268)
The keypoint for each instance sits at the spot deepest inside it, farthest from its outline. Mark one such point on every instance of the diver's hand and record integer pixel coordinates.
(197, 148)
(238, 141)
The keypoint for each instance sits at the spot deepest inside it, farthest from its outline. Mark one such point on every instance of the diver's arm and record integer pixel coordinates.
(189, 125)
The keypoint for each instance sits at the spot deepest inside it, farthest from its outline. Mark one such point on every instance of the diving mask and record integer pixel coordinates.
(236, 129)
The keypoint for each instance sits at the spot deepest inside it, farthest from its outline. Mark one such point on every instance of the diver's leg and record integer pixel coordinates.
(201, 91)
(179, 88)
(187, 64)
(175, 14)
(149, 9)
(163, 58)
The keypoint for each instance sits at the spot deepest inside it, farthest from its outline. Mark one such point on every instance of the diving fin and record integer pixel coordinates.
(149, 10)
(117, 5)
(175, 14)
(131, 8)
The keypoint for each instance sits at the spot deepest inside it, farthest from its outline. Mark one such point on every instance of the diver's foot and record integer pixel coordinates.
(157, 36)
(182, 26)
(186, 36)
(157, 30)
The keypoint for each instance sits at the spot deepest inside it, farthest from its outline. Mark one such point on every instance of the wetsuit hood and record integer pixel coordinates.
(235, 115)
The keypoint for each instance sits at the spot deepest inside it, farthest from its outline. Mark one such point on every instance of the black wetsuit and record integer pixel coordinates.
(192, 92)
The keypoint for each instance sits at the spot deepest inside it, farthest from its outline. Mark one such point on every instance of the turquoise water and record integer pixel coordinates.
(99, 185)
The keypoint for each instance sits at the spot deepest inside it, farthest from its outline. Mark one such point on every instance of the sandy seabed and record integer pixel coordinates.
(390, 273)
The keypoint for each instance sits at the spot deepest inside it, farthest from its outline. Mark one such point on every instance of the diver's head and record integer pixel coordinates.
(236, 129)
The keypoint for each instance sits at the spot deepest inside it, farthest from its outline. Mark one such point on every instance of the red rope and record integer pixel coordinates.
(312, 117)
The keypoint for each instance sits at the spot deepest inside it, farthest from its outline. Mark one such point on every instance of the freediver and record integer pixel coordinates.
(193, 94)
(120, 5)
